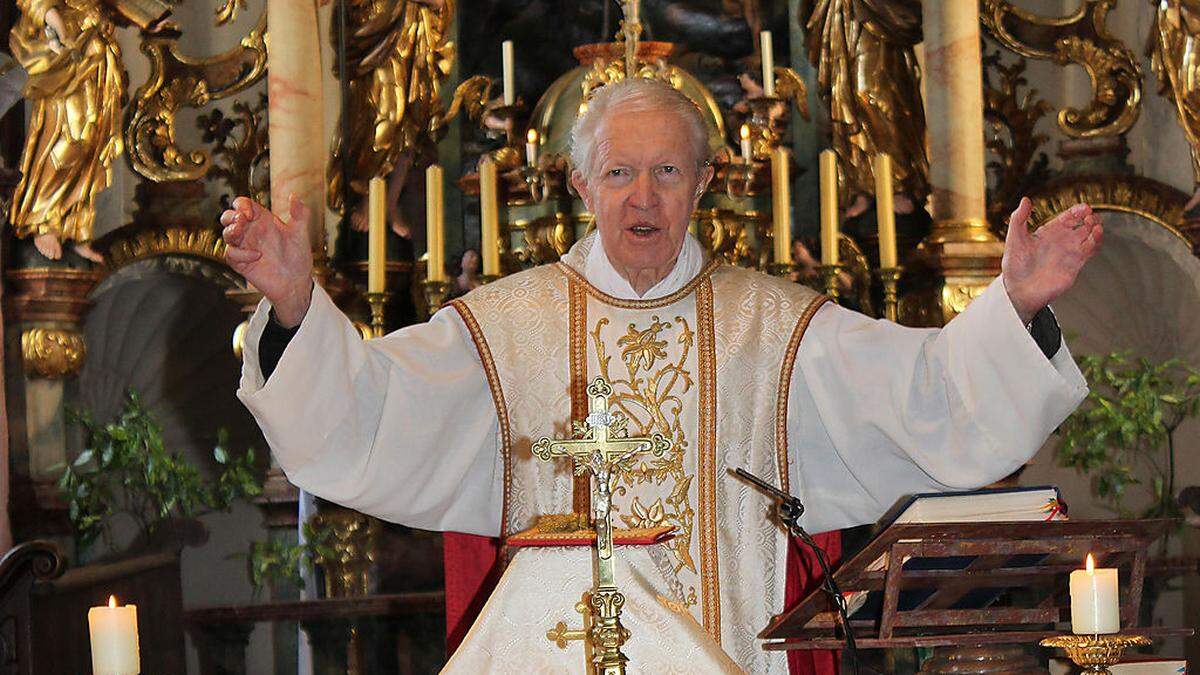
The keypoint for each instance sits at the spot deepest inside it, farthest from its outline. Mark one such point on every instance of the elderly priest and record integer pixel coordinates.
(431, 426)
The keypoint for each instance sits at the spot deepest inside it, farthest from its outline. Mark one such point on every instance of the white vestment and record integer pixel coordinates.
(430, 426)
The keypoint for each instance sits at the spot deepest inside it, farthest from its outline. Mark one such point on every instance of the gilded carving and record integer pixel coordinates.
(1083, 39)
(650, 397)
(352, 541)
(76, 87)
(545, 240)
(52, 353)
(1145, 197)
(176, 82)
(398, 54)
(1175, 58)
(956, 297)
(1012, 119)
(201, 243)
(240, 152)
(868, 74)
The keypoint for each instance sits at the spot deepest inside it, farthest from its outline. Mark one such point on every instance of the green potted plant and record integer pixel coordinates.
(125, 470)
(1123, 435)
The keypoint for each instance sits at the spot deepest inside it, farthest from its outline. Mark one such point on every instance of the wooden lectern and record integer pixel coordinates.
(974, 587)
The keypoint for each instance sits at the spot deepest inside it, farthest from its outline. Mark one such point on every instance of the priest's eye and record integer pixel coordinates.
(668, 169)
(615, 173)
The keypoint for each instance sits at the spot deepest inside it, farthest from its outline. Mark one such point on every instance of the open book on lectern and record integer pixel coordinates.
(1041, 503)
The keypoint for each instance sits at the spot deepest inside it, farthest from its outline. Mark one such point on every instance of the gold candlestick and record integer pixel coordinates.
(1095, 653)
(435, 294)
(829, 279)
(376, 301)
(890, 276)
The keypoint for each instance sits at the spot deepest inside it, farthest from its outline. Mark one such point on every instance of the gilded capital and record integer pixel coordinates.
(53, 353)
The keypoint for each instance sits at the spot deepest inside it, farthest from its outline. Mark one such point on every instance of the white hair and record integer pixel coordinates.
(635, 94)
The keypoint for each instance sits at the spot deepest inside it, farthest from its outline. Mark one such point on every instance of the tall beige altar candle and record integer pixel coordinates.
(954, 131)
(114, 636)
(885, 210)
(489, 217)
(781, 205)
(295, 103)
(747, 150)
(506, 58)
(377, 235)
(768, 63)
(1095, 609)
(434, 224)
(829, 208)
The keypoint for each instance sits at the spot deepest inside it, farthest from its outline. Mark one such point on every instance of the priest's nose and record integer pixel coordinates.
(645, 194)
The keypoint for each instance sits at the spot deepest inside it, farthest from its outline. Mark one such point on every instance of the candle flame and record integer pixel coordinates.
(745, 131)
(1091, 563)
(532, 136)
(112, 601)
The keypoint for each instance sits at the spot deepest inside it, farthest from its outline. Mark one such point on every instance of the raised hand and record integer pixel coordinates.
(274, 256)
(1040, 266)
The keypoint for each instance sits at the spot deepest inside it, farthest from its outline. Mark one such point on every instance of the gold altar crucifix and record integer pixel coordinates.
(603, 448)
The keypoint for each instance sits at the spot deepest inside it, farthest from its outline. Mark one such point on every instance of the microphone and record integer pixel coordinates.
(790, 509)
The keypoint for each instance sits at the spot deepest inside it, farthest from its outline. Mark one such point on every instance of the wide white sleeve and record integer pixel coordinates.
(401, 427)
(877, 411)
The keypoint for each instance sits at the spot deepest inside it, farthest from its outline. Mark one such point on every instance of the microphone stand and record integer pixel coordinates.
(790, 508)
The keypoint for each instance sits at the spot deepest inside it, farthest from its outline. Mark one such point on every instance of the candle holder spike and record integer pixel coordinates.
(829, 280)
(782, 270)
(376, 301)
(435, 294)
(890, 277)
(1095, 653)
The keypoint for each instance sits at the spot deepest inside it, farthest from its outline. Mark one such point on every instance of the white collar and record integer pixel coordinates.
(599, 271)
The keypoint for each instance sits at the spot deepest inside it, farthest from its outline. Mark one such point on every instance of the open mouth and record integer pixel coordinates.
(643, 229)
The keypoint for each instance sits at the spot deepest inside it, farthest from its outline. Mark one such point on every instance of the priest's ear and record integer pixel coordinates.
(580, 183)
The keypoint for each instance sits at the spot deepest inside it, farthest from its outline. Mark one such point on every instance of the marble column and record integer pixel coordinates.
(296, 110)
(954, 109)
(962, 250)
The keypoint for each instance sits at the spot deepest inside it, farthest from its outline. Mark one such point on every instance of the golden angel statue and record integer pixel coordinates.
(1174, 43)
(868, 74)
(76, 85)
(397, 56)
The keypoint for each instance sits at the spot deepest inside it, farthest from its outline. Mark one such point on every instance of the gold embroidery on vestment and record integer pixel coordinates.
(652, 401)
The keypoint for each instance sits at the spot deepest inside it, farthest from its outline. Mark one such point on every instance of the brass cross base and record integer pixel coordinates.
(1095, 653)
(602, 634)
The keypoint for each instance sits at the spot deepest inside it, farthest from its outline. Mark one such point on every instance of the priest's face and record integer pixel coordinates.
(643, 185)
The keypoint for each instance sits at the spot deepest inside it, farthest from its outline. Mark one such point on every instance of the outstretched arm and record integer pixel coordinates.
(877, 411)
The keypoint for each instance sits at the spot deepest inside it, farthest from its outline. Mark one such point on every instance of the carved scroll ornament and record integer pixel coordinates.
(175, 82)
(1081, 38)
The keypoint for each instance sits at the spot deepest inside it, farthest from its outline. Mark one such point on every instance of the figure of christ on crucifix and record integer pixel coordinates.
(603, 448)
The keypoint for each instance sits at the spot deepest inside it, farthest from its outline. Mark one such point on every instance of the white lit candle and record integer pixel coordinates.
(376, 235)
(489, 206)
(114, 639)
(768, 63)
(747, 150)
(434, 230)
(506, 57)
(531, 147)
(829, 208)
(1095, 608)
(885, 210)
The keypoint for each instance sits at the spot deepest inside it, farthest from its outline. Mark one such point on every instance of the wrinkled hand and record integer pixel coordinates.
(274, 256)
(1040, 266)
